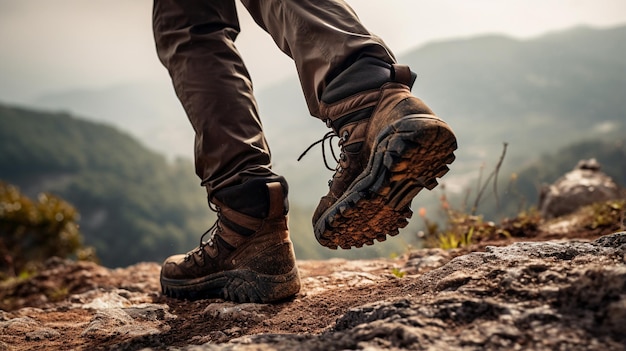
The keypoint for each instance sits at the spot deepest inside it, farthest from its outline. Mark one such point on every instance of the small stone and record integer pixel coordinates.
(41, 334)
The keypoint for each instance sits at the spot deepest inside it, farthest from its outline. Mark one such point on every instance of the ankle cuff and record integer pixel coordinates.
(254, 197)
(366, 74)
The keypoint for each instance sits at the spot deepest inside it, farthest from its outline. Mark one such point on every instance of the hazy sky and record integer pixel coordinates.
(52, 45)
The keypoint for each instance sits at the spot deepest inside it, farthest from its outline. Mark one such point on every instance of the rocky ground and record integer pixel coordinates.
(567, 294)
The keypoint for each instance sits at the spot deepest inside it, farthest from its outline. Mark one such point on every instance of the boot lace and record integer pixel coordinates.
(328, 139)
(212, 231)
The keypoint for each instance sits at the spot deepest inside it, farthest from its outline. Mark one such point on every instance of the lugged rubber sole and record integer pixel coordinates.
(407, 156)
(241, 285)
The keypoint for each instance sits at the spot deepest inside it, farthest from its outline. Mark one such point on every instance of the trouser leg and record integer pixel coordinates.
(195, 42)
(323, 37)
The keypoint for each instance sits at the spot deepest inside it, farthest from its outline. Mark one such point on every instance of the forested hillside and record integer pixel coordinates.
(134, 205)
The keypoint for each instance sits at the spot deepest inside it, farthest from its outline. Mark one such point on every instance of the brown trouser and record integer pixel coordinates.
(195, 42)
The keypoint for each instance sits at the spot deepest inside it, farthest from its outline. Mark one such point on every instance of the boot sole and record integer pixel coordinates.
(240, 285)
(407, 156)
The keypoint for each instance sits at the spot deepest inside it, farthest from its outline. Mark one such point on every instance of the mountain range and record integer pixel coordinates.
(539, 96)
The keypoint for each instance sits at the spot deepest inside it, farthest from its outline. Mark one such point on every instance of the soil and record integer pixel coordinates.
(52, 302)
(329, 289)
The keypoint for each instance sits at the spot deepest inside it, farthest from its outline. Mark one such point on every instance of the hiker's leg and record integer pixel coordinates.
(195, 42)
(247, 255)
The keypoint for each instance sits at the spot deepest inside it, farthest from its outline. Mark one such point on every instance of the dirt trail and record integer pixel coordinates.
(83, 306)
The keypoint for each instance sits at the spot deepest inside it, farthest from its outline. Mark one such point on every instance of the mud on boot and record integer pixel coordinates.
(392, 146)
(248, 256)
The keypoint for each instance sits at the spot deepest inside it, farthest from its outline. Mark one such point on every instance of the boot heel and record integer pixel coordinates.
(271, 276)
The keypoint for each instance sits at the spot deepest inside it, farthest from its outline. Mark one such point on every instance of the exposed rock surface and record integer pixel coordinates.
(584, 185)
(556, 295)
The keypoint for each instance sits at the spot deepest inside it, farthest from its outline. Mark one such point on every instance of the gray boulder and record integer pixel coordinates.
(584, 185)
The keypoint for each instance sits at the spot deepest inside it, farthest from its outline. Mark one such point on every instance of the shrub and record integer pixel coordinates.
(33, 231)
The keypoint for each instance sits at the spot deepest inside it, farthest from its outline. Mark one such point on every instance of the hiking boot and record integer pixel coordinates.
(248, 256)
(392, 146)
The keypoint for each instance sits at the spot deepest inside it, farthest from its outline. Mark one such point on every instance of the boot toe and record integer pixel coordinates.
(170, 268)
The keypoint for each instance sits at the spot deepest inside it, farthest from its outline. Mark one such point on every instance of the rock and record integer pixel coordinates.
(584, 185)
(115, 315)
(116, 323)
(150, 312)
(420, 261)
(241, 313)
(102, 300)
(19, 325)
(41, 334)
(530, 296)
(555, 295)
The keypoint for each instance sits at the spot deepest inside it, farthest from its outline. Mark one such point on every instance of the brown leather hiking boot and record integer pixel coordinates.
(392, 146)
(246, 259)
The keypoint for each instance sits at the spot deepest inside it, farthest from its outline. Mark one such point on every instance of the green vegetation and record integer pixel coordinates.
(32, 232)
(134, 205)
(461, 228)
(397, 272)
(611, 214)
